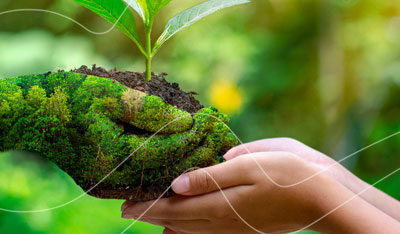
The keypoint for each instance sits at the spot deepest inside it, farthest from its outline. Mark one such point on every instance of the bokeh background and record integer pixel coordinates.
(324, 72)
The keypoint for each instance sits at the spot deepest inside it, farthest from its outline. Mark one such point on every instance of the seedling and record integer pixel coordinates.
(117, 13)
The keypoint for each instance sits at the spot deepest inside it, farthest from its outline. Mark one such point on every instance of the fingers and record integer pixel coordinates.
(166, 208)
(272, 144)
(240, 150)
(210, 146)
(183, 208)
(213, 178)
(102, 130)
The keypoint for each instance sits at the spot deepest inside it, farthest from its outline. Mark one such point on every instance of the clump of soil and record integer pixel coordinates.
(158, 86)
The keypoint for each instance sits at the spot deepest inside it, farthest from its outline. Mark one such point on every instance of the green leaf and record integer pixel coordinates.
(115, 12)
(150, 8)
(192, 15)
(137, 7)
(155, 6)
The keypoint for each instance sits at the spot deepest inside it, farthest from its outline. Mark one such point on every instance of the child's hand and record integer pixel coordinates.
(259, 203)
(326, 165)
(296, 187)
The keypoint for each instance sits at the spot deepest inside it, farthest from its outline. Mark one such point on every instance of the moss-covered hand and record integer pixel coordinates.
(88, 125)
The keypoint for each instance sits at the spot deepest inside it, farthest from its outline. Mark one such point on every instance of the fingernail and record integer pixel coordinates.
(181, 184)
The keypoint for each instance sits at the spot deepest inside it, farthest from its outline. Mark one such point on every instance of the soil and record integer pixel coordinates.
(158, 86)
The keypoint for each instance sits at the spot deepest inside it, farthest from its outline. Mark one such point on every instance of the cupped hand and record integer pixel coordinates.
(271, 191)
(325, 165)
(248, 202)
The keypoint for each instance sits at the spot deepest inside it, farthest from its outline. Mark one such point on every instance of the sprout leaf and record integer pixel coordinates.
(192, 15)
(115, 12)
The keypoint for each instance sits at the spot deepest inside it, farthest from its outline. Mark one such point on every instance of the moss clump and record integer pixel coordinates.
(89, 125)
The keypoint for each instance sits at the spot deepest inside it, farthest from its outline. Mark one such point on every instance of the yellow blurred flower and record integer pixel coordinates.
(225, 96)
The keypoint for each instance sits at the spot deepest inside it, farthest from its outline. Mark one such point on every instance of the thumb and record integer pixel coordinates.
(213, 178)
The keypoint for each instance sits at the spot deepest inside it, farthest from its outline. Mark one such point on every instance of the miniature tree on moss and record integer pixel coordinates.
(117, 13)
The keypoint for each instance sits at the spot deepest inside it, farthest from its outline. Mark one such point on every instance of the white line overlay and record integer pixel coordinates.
(66, 17)
(266, 174)
(227, 200)
(279, 185)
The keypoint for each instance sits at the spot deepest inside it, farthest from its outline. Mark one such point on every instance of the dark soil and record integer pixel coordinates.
(158, 86)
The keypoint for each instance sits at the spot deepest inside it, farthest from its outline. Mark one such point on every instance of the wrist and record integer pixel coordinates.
(339, 210)
(369, 194)
(330, 206)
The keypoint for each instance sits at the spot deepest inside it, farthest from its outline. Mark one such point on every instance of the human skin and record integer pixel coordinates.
(265, 206)
(327, 166)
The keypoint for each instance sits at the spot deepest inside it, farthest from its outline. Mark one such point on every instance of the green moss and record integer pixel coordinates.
(80, 123)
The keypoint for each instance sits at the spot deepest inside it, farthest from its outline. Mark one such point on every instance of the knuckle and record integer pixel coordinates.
(201, 181)
(244, 162)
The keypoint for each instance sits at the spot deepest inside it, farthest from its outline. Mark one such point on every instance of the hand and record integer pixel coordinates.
(325, 165)
(96, 129)
(166, 140)
(202, 208)
(254, 197)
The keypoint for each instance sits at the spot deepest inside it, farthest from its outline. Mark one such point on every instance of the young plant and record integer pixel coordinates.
(117, 13)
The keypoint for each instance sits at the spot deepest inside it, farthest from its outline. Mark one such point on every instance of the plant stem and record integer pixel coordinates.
(149, 56)
(148, 69)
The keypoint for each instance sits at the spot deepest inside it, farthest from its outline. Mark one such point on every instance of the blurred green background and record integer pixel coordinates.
(324, 72)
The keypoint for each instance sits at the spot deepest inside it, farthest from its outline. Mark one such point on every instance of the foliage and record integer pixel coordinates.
(117, 13)
(270, 50)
